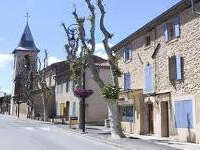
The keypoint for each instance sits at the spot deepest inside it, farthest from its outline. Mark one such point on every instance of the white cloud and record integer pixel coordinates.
(4, 90)
(53, 59)
(5, 59)
(100, 51)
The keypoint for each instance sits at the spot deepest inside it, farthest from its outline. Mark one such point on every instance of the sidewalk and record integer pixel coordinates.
(133, 141)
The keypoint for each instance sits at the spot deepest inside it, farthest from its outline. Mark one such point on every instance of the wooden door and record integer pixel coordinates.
(150, 112)
(67, 110)
(164, 119)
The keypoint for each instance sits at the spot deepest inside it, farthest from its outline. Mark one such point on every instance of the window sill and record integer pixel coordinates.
(128, 61)
(126, 91)
(172, 41)
(147, 47)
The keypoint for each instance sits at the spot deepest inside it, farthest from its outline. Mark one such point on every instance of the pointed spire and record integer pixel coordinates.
(27, 40)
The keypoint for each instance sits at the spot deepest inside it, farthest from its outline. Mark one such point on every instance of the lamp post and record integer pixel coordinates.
(73, 36)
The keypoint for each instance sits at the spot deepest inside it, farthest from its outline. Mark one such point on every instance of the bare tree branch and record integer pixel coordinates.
(107, 36)
(80, 21)
(92, 22)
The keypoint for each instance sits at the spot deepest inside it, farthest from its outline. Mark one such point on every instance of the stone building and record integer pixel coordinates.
(25, 62)
(5, 104)
(68, 105)
(25, 55)
(161, 83)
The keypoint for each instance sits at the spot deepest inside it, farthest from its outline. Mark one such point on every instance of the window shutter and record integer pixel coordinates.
(148, 79)
(170, 68)
(129, 80)
(183, 114)
(125, 82)
(182, 68)
(67, 86)
(166, 33)
(177, 114)
(124, 54)
(178, 68)
(188, 113)
(174, 70)
(177, 26)
(130, 53)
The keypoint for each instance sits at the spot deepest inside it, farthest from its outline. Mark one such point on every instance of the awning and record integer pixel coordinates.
(126, 103)
(131, 94)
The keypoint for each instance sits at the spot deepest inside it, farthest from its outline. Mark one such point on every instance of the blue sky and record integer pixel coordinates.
(123, 18)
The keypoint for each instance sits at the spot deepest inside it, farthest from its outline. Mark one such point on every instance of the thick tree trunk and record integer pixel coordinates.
(45, 112)
(115, 120)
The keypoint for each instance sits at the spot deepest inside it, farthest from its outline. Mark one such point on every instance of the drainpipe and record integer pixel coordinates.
(193, 9)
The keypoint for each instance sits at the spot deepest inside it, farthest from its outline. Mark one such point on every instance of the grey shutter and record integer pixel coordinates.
(166, 36)
(178, 68)
(124, 54)
(177, 26)
(170, 68)
(174, 70)
(182, 68)
(125, 83)
(129, 80)
(130, 52)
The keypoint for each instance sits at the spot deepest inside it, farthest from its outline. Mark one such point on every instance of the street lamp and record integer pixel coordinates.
(82, 93)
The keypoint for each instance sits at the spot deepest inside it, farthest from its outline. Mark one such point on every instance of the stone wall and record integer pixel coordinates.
(187, 46)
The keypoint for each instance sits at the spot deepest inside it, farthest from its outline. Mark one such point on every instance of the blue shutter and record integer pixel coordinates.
(148, 79)
(166, 33)
(129, 80)
(124, 55)
(177, 105)
(188, 113)
(183, 114)
(125, 83)
(177, 26)
(130, 52)
(178, 68)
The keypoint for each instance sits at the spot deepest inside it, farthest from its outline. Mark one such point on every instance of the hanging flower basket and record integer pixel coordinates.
(83, 93)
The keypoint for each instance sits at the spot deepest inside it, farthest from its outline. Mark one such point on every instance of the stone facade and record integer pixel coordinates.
(165, 92)
(68, 104)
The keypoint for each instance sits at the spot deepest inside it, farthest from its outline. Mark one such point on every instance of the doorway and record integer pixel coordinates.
(150, 118)
(164, 119)
(67, 111)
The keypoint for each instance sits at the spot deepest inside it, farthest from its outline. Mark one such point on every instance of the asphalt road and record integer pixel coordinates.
(32, 135)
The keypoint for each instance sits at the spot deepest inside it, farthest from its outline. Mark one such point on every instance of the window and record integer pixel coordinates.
(67, 86)
(49, 80)
(128, 113)
(58, 108)
(147, 40)
(127, 81)
(176, 69)
(57, 88)
(148, 73)
(127, 53)
(172, 29)
(27, 62)
(74, 109)
(61, 88)
(183, 114)
(62, 109)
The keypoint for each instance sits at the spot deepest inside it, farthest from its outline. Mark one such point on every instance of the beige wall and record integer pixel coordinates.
(188, 46)
(96, 108)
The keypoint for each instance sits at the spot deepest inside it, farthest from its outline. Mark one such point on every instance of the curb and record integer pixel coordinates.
(100, 140)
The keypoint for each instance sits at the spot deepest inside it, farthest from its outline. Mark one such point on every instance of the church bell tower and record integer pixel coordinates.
(25, 55)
